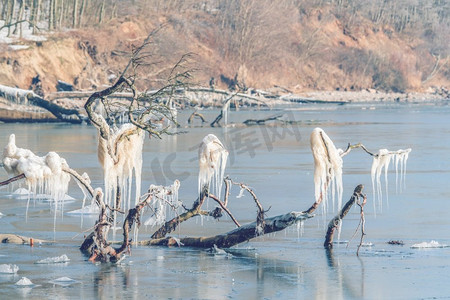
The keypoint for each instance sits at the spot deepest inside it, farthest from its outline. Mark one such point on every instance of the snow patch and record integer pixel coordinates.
(18, 47)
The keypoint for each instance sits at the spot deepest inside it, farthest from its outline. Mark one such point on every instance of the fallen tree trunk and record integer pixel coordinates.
(234, 237)
(24, 97)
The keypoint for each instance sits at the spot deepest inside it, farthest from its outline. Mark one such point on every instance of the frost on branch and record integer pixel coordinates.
(212, 157)
(327, 167)
(42, 174)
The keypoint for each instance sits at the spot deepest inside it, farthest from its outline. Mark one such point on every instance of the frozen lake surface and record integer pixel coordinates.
(277, 163)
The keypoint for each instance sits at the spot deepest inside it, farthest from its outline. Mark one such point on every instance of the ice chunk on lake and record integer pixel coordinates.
(425, 245)
(21, 193)
(217, 251)
(63, 281)
(24, 194)
(49, 198)
(54, 260)
(8, 269)
(87, 210)
(24, 282)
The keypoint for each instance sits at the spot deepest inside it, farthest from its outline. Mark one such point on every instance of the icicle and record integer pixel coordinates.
(381, 162)
(212, 157)
(327, 168)
(300, 228)
(119, 173)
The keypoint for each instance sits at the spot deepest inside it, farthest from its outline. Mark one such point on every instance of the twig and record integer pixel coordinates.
(10, 180)
(260, 216)
(362, 221)
(223, 206)
(196, 114)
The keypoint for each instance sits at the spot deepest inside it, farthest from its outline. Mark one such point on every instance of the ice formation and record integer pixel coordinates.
(42, 174)
(118, 170)
(212, 157)
(164, 198)
(432, 244)
(381, 163)
(63, 281)
(24, 282)
(21, 193)
(327, 168)
(54, 260)
(86, 195)
(91, 209)
(8, 269)
(241, 193)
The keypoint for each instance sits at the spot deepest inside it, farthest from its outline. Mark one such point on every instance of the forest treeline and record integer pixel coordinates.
(391, 45)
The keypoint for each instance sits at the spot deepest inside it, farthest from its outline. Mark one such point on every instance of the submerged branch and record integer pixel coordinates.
(236, 236)
(173, 223)
(334, 223)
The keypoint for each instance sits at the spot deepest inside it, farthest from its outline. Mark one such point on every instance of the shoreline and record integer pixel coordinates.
(371, 95)
(13, 112)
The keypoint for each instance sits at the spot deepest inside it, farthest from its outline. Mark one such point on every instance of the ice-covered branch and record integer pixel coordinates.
(327, 168)
(172, 224)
